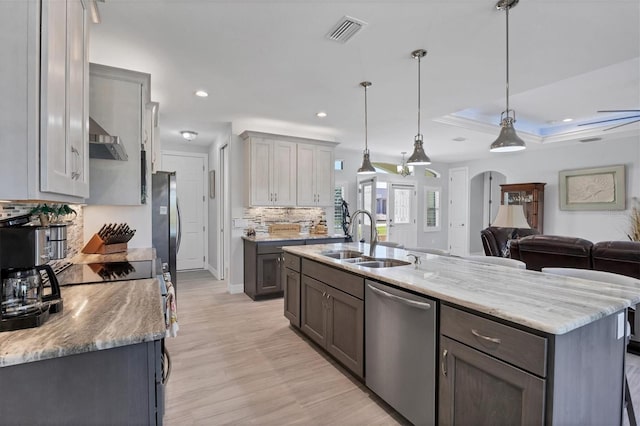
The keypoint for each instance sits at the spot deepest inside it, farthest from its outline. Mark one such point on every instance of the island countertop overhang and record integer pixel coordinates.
(548, 303)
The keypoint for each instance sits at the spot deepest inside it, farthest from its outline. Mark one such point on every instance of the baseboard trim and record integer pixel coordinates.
(235, 288)
(213, 271)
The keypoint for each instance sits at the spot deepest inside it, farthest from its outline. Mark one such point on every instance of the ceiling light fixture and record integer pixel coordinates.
(403, 169)
(508, 140)
(567, 120)
(366, 168)
(201, 93)
(189, 134)
(419, 157)
(321, 114)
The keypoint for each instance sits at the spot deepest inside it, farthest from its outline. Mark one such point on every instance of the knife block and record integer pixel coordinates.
(97, 245)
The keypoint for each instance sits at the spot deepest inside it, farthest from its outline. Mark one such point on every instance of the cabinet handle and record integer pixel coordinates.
(324, 294)
(276, 195)
(487, 338)
(444, 362)
(414, 303)
(75, 174)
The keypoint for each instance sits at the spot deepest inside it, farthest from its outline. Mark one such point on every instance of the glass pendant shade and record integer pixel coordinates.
(366, 168)
(419, 157)
(508, 140)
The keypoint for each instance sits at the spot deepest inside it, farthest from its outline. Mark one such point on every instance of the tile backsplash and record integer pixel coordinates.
(74, 231)
(259, 218)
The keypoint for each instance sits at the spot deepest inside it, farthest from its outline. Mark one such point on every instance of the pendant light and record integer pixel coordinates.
(366, 168)
(508, 140)
(419, 157)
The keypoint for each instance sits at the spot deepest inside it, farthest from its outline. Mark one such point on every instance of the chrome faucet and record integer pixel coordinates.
(373, 238)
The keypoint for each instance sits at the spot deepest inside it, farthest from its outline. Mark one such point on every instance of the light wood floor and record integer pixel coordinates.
(236, 361)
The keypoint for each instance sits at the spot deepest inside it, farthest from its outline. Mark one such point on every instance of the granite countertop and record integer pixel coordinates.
(94, 317)
(549, 303)
(288, 237)
(132, 255)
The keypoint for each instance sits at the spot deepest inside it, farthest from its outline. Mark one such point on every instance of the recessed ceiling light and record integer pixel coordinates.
(566, 120)
(321, 114)
(591, 139)
(459, 139)
(201, 93)
(189, 134)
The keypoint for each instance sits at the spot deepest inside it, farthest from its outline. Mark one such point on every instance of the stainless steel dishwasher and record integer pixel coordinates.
(400, 350)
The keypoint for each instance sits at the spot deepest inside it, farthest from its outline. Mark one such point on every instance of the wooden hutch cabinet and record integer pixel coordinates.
(529, 195)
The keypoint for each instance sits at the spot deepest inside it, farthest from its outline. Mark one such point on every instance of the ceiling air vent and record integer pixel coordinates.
(345, 29)
(591, 139)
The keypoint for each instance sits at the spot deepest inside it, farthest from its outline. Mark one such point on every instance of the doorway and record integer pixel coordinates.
(191, 178)
(401, 215)
(459, 211)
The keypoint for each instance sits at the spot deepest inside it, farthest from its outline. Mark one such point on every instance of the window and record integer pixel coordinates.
(431, 209)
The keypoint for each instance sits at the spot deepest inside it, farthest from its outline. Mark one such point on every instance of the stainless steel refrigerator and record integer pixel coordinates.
(165, 221)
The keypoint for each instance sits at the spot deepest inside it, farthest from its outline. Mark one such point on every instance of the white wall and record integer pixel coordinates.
(543, 166)
(237, 174)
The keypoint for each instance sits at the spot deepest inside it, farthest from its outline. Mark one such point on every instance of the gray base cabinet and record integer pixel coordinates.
(122, 385)
(332, 313)
(494, 373)
(291, 286)
(264, 265)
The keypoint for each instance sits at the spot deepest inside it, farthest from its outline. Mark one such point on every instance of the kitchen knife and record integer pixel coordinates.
(102, 230)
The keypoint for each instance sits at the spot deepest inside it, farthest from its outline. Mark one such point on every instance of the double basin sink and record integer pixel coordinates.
(356, 257)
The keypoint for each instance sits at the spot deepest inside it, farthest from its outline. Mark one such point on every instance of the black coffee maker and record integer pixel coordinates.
(24, 253)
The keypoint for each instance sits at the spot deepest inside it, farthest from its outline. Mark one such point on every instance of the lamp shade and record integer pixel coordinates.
(419, 157)
(511, 217)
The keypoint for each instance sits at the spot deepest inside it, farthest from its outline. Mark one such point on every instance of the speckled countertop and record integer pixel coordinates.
(287, 237)
(95, 317)
(549, 303)
(133, 254)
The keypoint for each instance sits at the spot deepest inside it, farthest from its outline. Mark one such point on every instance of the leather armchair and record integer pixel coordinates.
(495, 239)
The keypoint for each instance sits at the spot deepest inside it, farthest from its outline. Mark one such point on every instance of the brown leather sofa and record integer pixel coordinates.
(539, 251)
(495, 239)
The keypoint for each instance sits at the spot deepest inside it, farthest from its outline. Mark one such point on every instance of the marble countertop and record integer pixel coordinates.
(133, 254)
(94, 317)
(549, 303)
(287, 237)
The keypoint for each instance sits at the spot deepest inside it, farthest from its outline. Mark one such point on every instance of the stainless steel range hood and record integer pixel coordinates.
(103, 145)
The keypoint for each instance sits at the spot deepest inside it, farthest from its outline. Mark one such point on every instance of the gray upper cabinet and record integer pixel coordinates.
(118, 101)
(43, 107)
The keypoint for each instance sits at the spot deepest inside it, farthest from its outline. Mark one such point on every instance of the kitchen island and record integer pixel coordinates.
(532, 347)
(97, 361)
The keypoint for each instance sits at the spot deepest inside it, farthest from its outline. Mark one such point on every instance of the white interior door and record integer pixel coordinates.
(401, 214)
(459, 211)
(190, 180)
(366, 201)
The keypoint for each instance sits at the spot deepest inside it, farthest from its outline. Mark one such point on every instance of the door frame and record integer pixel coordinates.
(224, 216)
(205, 186)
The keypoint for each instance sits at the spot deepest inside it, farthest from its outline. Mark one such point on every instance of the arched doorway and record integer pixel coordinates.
(484, 200)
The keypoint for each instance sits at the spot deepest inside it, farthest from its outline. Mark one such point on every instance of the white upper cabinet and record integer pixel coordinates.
(272, 172)
(118, 100)
(44, 106)
(315, 175)
(288, 171)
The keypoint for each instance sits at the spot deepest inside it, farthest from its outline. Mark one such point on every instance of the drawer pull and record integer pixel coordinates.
(444, 362)
(487, 338)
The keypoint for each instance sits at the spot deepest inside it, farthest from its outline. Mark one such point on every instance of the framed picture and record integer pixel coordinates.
(600, 188)
(212, 184)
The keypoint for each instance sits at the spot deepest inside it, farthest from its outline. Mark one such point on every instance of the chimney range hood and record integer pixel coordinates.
(103, 145)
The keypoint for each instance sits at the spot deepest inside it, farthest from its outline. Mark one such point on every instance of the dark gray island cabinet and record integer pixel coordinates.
(515, 347)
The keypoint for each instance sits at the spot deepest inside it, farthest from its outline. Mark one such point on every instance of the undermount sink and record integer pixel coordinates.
(383, 263)
(342, 254)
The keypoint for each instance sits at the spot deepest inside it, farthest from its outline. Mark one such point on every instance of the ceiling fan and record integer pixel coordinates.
(635, 113)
